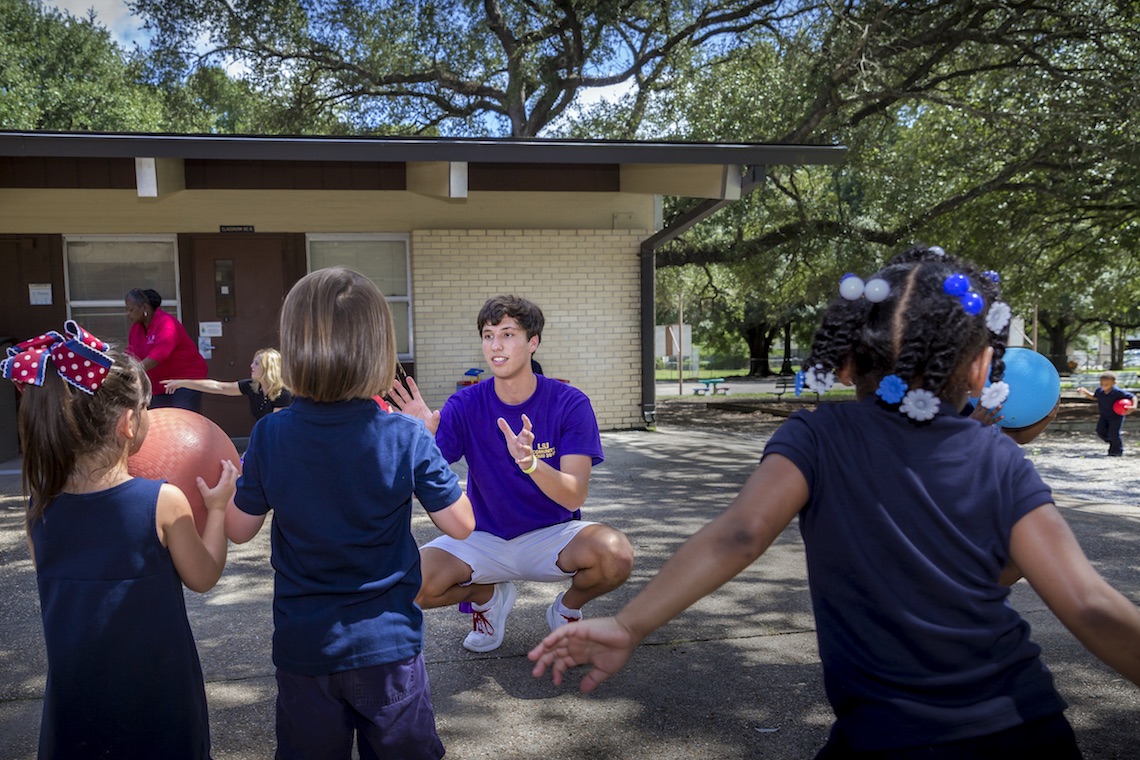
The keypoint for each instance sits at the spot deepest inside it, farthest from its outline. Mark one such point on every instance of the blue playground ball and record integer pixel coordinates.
(1034, 387)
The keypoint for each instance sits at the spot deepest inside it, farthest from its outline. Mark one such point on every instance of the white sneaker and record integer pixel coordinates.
(489, 625)
(556, 619)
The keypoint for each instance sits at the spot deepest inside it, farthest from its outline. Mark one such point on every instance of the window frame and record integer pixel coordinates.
(171, 304)
(356, 237)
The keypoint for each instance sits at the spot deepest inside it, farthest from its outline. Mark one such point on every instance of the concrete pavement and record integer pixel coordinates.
(736, 676)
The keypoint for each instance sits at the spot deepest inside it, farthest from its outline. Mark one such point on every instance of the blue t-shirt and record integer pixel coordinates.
(506, 501)
(906, 529)
(339, 478)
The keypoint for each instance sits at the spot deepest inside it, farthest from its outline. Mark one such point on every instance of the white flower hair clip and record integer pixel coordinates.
(819, 380)
(920, 405)
(998, 317)
(994, 394)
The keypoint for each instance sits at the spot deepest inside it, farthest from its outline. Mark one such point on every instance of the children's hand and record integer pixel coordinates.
(602, 642)
(521, 444)
(218, 497)
(986, 416)
(410, 402)
(169, 386)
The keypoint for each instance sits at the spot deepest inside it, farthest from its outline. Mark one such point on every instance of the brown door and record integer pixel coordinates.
(239, 285)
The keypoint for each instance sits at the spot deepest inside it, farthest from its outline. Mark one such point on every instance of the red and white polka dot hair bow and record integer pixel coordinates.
(80, 358)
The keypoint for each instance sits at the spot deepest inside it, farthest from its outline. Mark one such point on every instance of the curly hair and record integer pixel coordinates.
(919, 332)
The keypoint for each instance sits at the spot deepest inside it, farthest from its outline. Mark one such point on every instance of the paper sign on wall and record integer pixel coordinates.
(210, 329)
(39, 293)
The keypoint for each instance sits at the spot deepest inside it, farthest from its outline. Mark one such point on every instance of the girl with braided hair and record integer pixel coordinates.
(915, 520)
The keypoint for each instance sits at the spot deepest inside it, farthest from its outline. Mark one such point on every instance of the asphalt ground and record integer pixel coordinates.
(735, 676)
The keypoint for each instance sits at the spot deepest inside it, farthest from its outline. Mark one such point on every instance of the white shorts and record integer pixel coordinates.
(530, 557)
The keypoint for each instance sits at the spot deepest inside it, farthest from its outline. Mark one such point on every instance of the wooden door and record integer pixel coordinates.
(239, 285)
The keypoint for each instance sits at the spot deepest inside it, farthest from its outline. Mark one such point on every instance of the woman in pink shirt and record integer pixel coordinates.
(161, 343)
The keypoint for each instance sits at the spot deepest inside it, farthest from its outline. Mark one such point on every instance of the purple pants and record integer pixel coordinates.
(386, 708)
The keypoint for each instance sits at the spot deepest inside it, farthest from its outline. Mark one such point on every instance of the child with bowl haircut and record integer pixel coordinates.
(339, 474)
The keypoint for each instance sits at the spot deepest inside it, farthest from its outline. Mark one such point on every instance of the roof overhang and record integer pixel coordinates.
(436, 166)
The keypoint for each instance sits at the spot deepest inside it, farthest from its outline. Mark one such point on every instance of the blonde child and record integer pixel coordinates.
(264, 387)
(915, 520)
(339, 474)
(111, 553)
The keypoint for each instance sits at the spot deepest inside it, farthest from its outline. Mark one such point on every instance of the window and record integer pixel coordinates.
(382, 259)
(100, 270)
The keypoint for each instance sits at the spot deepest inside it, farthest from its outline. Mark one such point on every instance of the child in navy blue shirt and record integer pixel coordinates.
(1109, 424)
(339, 474)
(915, 520)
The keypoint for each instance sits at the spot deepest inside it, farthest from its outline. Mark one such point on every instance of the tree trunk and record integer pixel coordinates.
(1057, 334)
(759, 338)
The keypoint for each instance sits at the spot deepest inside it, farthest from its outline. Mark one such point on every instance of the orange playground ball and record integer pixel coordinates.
(181, 445)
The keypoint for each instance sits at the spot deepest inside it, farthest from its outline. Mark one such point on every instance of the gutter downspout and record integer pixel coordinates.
(753, 178)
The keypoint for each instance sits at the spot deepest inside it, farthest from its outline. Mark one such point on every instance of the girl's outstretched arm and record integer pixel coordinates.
(1105, 621)
(205, 386)
(199, 560)
(773, 495)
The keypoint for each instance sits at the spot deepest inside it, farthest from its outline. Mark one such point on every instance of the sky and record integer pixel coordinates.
(113, 14)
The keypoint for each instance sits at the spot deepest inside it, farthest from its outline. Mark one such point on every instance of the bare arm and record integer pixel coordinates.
(456, 520)
(773, 495)
(240, 526)
(199, 560)
(1101, 618)
(568, 484)
(1086, 392)
(205, 386)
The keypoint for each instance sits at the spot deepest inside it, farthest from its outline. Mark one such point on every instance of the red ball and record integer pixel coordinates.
(1122, 405)
(180, 446)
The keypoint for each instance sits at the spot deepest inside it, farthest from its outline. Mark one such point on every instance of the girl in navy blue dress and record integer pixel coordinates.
(111, 553)
(915, 520)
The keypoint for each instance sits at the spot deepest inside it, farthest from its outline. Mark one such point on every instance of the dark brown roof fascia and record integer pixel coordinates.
(254, 148)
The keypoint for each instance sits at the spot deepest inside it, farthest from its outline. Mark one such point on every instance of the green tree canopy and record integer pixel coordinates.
(59, 72)
(457, 66)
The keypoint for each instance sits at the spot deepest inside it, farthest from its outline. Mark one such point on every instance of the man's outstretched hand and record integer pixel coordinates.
(410, 402)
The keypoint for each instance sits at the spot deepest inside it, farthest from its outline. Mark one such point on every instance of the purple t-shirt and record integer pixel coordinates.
(906, 530)
(507, 503)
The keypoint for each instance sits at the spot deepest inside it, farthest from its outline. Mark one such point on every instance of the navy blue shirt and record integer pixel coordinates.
(1106, 400)
(906, 530)
(339, 478)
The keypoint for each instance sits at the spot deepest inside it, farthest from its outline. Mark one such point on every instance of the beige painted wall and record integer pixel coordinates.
(559, 249)
(119, 212)
(586, 282)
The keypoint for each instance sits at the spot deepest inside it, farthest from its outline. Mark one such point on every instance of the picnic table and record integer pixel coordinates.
(712, 386)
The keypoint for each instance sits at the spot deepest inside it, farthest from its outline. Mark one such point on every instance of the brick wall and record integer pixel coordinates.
(586, 281)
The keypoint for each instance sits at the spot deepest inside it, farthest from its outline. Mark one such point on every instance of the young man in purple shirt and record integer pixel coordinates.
(530, 443)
